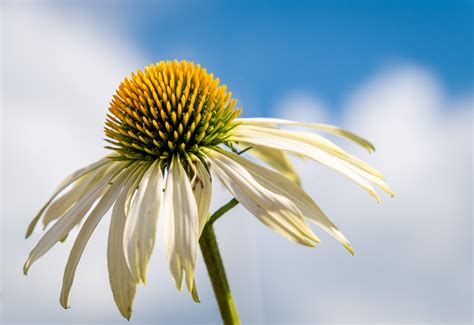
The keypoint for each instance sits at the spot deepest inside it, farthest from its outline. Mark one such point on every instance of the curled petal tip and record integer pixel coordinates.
(142, 279)
(311, 236)
(349, 248)
(195, 296)
(127, 314)
(368, 145)
(64, 301)
(194, 293)
(179, 286)
(377, 198)
(389, 191)
(307, 243)
(26, 267)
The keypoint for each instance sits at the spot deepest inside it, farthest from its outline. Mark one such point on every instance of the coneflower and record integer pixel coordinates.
(172, 130)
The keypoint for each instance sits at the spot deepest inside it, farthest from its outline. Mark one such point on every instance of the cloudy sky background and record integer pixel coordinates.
(399, 74)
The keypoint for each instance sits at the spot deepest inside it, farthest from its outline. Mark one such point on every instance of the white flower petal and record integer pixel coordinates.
(282, 186)
(181, 225)
(140, 228)
(146, 230)
(133, 215)
(65, 183)
(81, 172)
(317, 141)
(60, 206)
(374, 179)
(277, 159)
(202, 189)
(298, 145)
(88, 228)
(121, 281)
(272, 209)
(64, 225)
(358, 166)
(270, 122)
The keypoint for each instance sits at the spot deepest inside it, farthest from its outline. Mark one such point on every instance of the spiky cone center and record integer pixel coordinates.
(170, 108)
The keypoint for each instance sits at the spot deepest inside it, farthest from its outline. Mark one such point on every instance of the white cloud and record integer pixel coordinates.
(302, 106)
(58, 67)
(413, 252)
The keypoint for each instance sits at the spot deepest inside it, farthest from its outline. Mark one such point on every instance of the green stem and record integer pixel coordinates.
(223, 209)
(215, 268)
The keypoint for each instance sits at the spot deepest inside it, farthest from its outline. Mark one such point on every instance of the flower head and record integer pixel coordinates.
(170, 110)
(173, 131)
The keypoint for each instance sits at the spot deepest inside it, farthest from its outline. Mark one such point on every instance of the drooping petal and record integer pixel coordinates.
(282, 186)
(328, 149)
(202, 189)
(298, 146)
(317, 141)
(272, 209)
(277, 159)
(146, 230)
(121, 281)
(61, 205)
(181, 225)
(379, 182)
(133, 215)
(270, 122)
(88, 228)
(140, 228)
(64, 225)
(65, 183)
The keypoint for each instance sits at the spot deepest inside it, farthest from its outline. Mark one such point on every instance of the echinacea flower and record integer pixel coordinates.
(173, 130)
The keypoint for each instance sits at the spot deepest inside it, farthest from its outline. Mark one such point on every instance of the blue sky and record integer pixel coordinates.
(264, 48)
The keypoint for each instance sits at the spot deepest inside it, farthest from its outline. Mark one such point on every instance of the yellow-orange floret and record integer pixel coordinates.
(171, 108)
